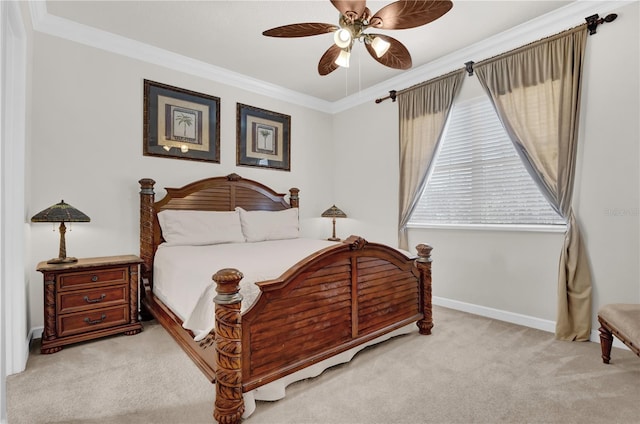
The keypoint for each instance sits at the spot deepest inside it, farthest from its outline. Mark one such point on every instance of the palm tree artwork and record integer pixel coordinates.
(264, 133)
(184, 119)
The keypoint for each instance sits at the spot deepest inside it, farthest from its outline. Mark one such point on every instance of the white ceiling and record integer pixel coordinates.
(228, 34)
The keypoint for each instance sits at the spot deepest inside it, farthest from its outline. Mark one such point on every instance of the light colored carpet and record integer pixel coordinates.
(471, 370)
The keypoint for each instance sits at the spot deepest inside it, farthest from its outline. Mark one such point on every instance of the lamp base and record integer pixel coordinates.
(66, 260)
(333, 239)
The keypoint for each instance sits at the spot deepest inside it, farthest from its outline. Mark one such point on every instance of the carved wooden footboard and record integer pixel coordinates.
(342, 297)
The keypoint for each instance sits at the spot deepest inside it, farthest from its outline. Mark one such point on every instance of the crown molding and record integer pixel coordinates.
(566, 17)
(49, 24)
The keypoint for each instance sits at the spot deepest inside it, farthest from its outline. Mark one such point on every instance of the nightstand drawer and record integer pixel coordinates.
(81, 322)
(91, 299)
(78, 280)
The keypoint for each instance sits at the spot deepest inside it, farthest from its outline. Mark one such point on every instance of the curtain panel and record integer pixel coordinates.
(536, 92)
(423, 112)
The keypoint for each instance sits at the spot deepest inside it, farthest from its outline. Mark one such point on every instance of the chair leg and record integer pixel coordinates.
(606, 339)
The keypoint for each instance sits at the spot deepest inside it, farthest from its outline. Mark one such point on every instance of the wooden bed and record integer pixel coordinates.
(337, 299)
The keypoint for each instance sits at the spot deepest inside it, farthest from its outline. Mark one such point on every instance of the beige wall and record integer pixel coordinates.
(87, 149)
(607, 184)
(516, 272)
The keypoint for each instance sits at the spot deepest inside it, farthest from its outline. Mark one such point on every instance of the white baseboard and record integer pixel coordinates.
(36, 333)
(513, 318)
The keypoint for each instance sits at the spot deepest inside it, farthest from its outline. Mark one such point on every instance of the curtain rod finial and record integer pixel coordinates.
(392, 96)
(594, 20)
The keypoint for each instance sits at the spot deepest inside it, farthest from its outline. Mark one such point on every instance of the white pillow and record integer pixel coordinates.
(269, 225)
(197, 228)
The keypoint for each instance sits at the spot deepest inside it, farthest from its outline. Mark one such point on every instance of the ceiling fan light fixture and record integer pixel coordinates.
(353, 22)
(342, 38)
(380, 46)
(343, 59)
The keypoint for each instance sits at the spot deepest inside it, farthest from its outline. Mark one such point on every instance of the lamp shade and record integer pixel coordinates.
(60, 212)
(342, 38)
(333, 212)
(343, 58)
(380, 46)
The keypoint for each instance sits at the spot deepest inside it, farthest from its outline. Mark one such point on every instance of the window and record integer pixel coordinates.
(477, 177)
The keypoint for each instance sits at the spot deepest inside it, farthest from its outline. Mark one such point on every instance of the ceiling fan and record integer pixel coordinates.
(355, 19)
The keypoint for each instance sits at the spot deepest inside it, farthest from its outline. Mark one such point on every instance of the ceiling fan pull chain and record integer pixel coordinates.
(346, 81)
(359, 73)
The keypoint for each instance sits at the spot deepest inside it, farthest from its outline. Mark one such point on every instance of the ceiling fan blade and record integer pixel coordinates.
(397, 56)
(409, 14)
(352, 9)
(327, 62)
(300, 30)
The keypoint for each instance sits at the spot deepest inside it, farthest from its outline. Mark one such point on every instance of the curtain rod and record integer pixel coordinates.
(393, 94)
(592, 23)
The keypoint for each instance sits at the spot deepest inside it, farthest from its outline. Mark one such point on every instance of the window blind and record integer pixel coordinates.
(478, 178)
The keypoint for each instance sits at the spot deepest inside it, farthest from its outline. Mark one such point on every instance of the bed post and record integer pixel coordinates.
(229, 404)
(423, 263)
(294, 200)
(147, 198)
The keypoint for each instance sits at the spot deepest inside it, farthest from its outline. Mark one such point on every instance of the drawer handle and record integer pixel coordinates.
(94, 278)
(95, 321)
(102, 296)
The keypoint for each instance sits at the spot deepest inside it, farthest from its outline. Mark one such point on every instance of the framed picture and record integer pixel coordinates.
(263, 138)
(180, 124)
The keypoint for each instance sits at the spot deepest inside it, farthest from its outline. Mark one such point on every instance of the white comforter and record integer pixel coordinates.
(182, 274)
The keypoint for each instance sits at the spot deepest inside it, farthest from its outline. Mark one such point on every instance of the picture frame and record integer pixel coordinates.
(263, 138)
(180, 123)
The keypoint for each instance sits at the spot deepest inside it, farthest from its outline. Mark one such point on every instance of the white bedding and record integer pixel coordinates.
(182, 274)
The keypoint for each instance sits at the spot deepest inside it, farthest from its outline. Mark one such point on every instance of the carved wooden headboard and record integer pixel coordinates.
(211, 194)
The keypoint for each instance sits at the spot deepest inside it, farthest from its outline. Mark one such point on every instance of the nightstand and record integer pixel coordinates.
(90, 298)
